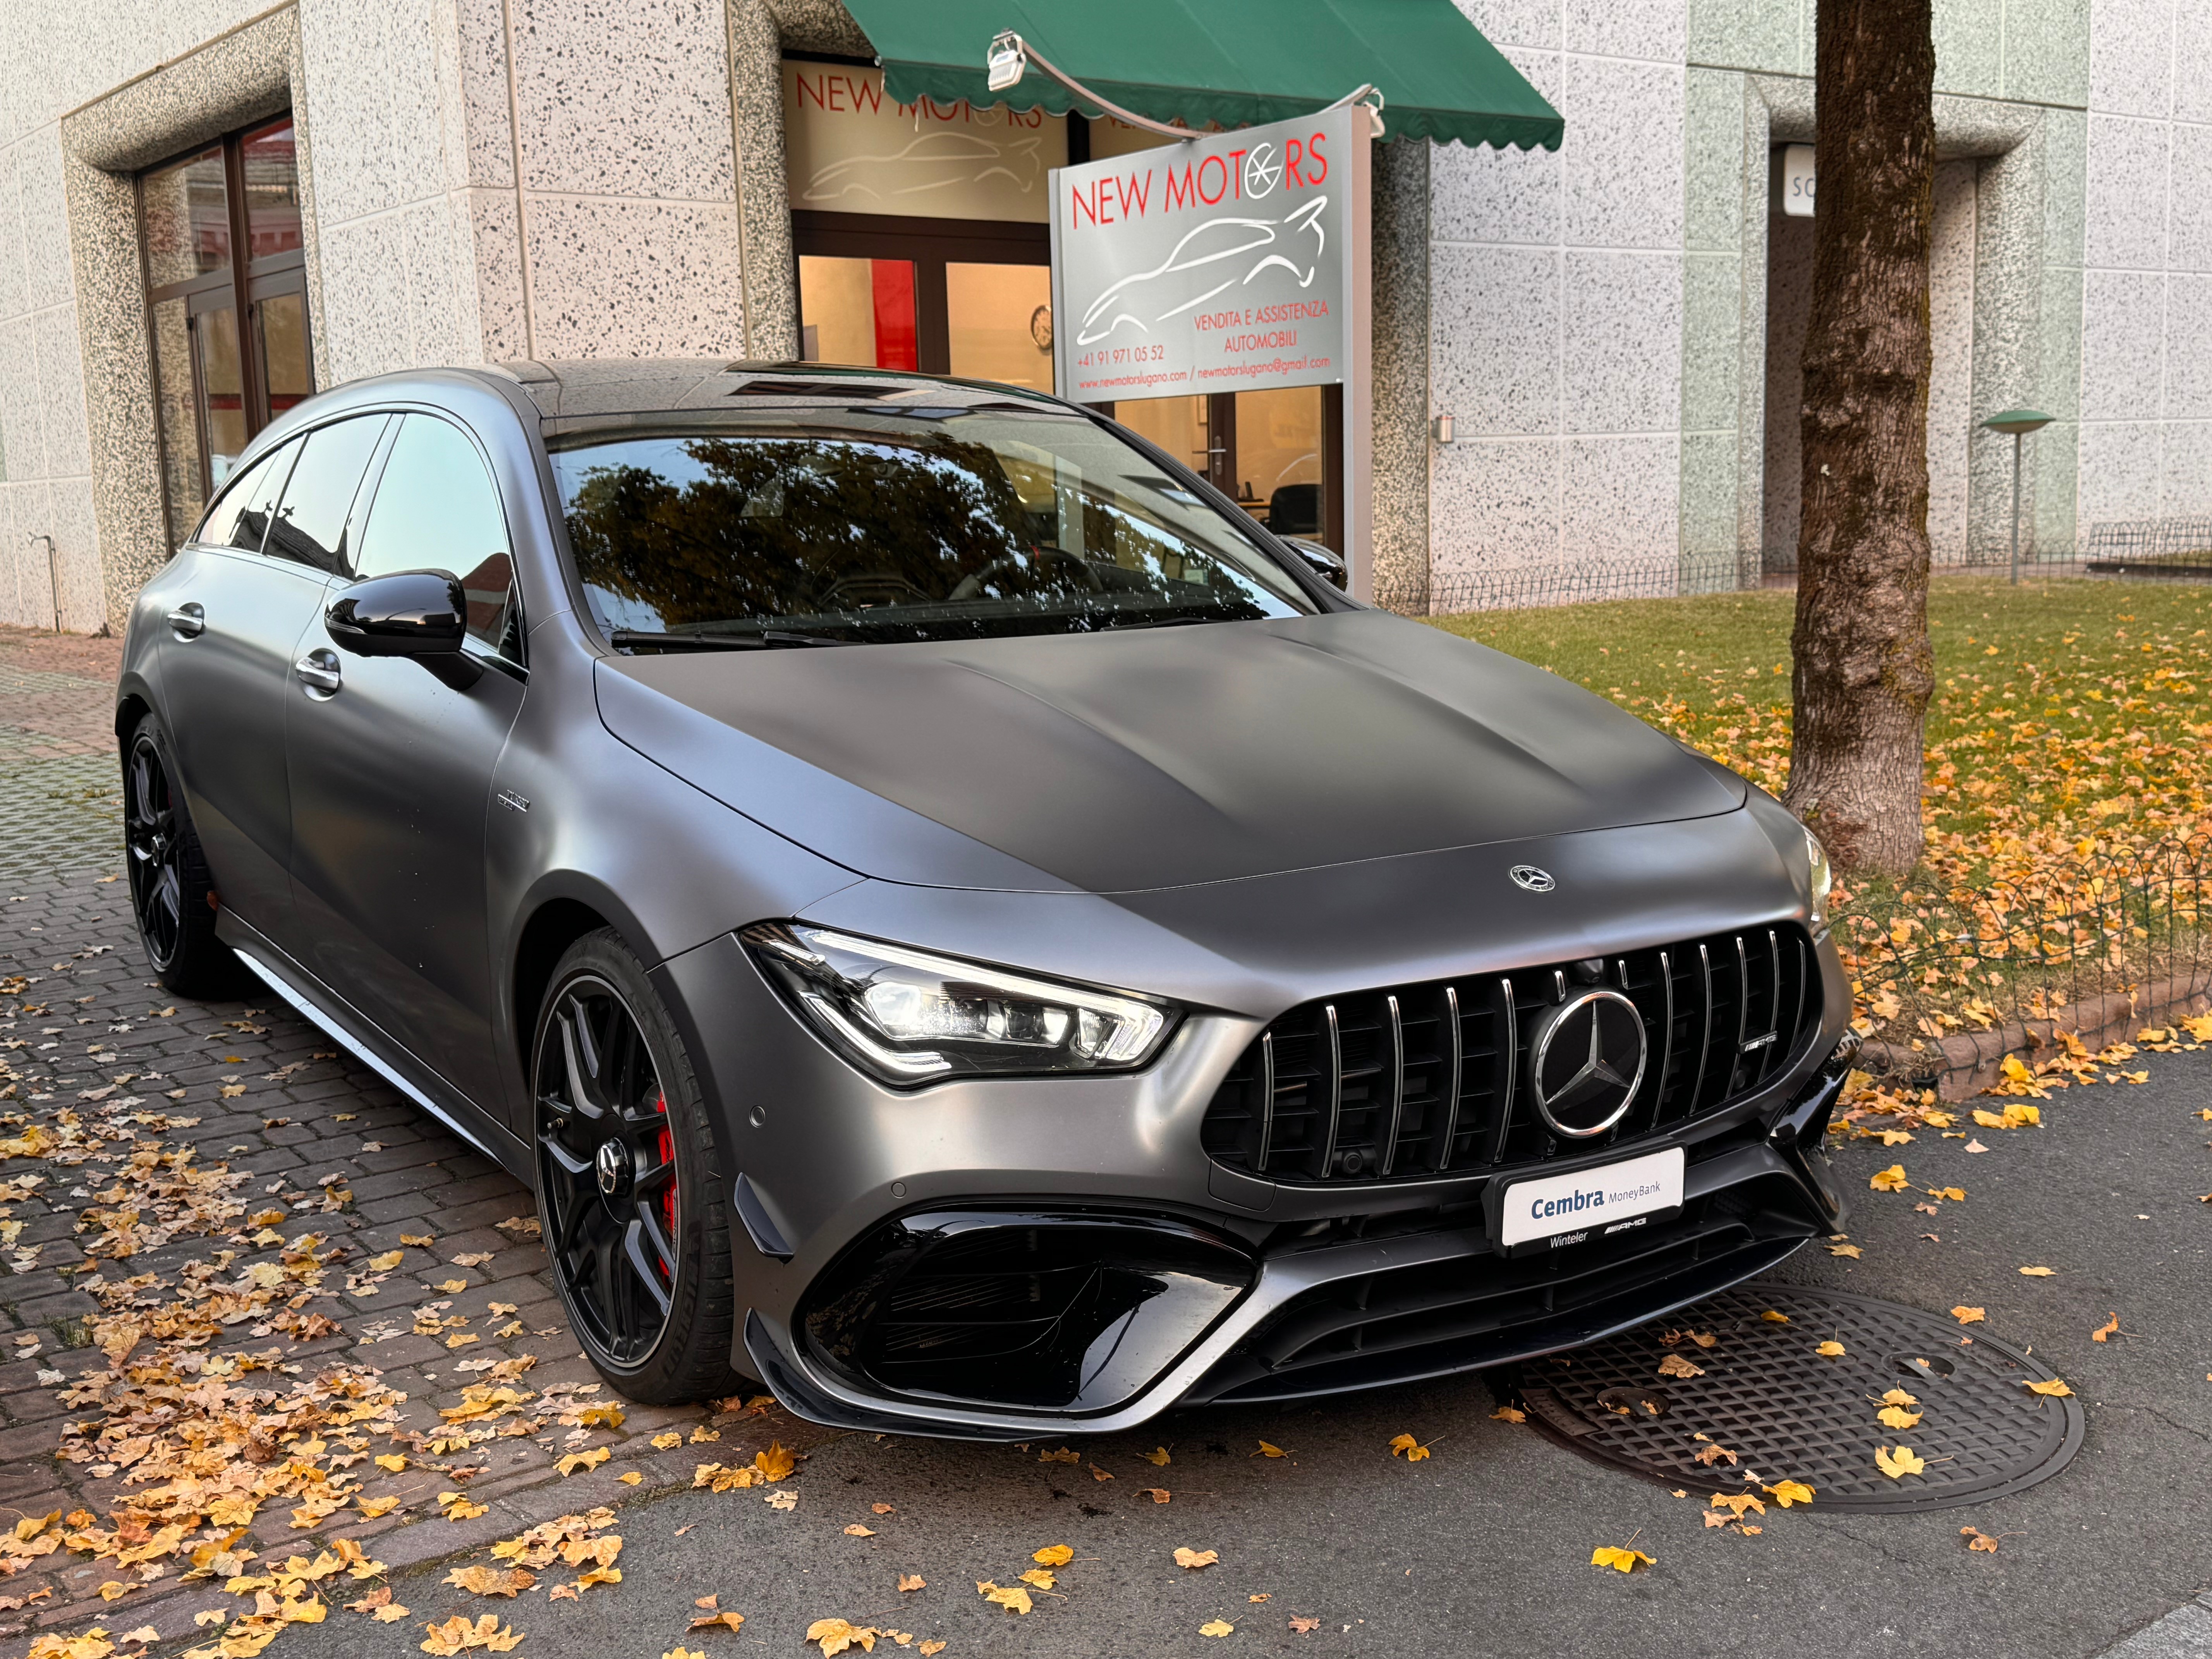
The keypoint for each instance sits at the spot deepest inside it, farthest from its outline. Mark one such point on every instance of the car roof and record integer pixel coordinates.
(569, 389)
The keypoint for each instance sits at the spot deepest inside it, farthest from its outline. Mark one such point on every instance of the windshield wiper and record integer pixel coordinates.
(768, 640)
(1186, 620)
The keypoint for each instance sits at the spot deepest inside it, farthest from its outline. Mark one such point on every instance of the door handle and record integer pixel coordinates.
(188, 621)
(319, 671)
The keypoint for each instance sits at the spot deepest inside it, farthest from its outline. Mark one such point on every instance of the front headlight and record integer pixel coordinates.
(911, 1017)
(1819, 876)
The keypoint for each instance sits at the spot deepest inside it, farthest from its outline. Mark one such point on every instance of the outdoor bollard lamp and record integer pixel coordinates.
(2020, 422)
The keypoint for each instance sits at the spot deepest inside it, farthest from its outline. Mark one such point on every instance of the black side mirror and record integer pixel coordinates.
(1325, 562)
(422, 614)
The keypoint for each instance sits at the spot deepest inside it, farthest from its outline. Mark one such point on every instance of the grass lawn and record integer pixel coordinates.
(2070, 748)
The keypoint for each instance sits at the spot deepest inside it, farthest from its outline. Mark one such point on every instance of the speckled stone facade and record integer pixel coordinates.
(494, 178)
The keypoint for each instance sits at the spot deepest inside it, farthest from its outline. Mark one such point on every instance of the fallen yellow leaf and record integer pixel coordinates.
(1892, 1180)
(1216, 1627)
(2107, 1331)
(1966, 1316)
(667, 1442)
(1013, 1598)
(1267, 1450)
(1193, 1559)
(835, 1635)
(1053, 1555)
(1830, 1349)
(458, 1634)
(1509, 1414)
(2054, 1389)
(1041, 1577)
(1977, 1540)
(453, 1287)
(1896, 1417)
(388, 1261)
(1157, 1457)
(912, 1581)
(1621, 1560)
(1851, 1250)
(1899, 1463)
(1406, 1446)
(583, 1460)
(856, 1530)
(2038, 1273)
(775, 1462)
(392, 1460)
(1676, 1364)
(1774, 1318)
(1787, 1492)
(491, 1581)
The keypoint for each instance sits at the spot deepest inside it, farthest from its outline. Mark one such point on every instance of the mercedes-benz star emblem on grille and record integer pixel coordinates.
(1529, 876)
(1586, 1058)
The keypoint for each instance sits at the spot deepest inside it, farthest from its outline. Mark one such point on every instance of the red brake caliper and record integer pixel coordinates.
(668, 1157)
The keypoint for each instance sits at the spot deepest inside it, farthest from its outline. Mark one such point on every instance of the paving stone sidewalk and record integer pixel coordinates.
(253, 1087)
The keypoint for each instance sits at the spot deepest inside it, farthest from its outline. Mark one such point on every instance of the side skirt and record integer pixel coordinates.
(465, 1119)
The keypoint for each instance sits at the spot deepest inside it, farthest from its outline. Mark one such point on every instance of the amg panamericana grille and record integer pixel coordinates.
(1415, 1081)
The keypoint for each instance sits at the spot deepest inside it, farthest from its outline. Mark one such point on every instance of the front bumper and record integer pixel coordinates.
(1316, 1290)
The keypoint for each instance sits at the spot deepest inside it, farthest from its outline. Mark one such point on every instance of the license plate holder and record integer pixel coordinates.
(1606, 1200)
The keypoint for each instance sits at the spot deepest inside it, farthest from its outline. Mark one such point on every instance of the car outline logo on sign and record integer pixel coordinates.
(1529, 877)
(1596, 1095)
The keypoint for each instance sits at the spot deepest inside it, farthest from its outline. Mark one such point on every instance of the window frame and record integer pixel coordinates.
(243, 284)
(372, 483)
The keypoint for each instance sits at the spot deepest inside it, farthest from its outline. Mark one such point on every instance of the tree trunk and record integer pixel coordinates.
(1863, 667)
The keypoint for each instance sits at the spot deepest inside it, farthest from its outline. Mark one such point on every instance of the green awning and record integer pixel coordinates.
(1237, 61)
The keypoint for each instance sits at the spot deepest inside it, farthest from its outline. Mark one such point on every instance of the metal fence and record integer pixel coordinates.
(2179, 548)
(2021, 963)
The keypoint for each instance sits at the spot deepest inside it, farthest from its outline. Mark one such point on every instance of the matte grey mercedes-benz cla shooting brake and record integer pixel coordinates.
(954, 920)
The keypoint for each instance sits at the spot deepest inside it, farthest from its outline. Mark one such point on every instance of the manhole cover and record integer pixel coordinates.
(1788, 1413)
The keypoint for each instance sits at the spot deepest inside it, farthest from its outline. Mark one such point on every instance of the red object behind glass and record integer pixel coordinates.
(892, 281)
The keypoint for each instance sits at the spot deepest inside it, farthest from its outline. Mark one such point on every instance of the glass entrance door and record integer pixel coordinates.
(226, 270)
(1277, 452)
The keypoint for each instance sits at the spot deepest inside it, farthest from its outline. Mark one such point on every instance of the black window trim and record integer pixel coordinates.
(365, 502)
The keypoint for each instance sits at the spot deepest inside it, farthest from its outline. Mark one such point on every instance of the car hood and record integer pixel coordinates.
(1152, 758)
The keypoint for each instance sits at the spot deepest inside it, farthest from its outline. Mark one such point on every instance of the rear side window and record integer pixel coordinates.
(240, 515)
(437, 509)
(310, 525)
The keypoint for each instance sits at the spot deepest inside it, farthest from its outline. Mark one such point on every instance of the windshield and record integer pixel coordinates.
(883, 524)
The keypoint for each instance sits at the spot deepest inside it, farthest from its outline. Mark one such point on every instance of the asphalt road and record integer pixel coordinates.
(1484, 1548)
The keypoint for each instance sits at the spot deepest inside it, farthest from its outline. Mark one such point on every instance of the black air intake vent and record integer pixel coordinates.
(1416, 1081)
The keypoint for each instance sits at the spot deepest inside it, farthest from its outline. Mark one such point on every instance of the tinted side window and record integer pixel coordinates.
(311, 521)
(240, 515)
(436, 509)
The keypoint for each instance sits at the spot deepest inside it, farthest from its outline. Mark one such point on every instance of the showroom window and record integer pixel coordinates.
(227, 296)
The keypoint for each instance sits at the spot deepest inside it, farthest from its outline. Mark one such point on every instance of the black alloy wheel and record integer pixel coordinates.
(631, 1215)
(172, 897)
(149, 833)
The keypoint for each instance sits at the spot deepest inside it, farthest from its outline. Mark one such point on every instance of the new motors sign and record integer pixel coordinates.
(1226, 263)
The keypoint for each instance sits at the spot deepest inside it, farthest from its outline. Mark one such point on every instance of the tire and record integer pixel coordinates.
(630, 1183)
(172, 897)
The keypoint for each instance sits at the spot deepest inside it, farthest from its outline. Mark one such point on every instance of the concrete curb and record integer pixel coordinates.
(1964, 1064)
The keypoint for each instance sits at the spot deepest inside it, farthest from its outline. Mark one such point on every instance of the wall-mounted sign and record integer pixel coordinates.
(1236, 262)
(1225, 263)
(1794, 181)
(848, 148)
